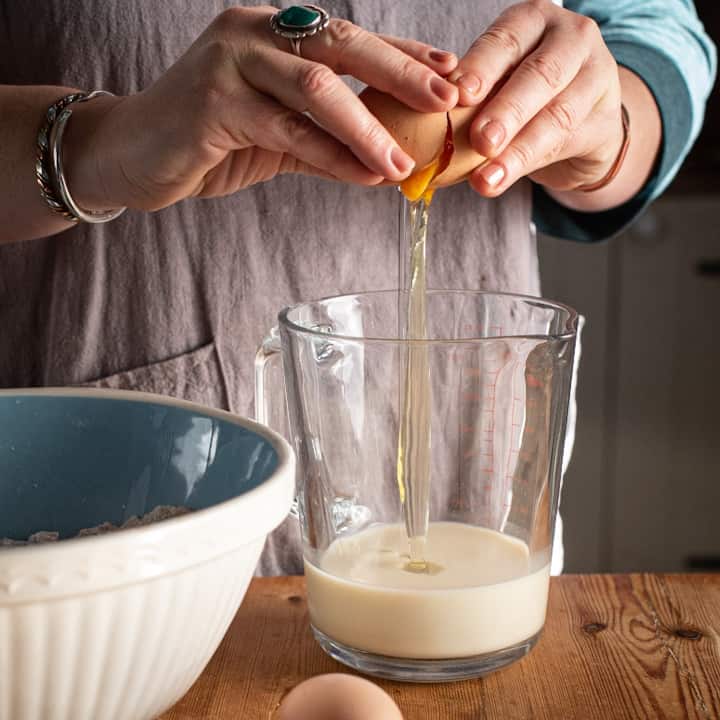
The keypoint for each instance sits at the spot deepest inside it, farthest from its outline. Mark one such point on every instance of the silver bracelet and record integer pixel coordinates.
(59, 197)
(42, 156)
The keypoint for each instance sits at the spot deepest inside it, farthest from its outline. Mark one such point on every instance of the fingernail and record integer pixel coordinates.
(492, 174)
(440, 56)
(401, 160)
(493, 133)
(442, 89)
(469, 83)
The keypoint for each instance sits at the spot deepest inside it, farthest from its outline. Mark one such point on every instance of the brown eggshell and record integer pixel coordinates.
(422, 135)
(337, 696)
(464, 158)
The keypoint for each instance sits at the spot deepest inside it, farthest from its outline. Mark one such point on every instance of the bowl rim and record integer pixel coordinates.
(274, 495)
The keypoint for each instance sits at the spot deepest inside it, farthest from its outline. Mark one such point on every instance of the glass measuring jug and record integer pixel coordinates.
(500, 368)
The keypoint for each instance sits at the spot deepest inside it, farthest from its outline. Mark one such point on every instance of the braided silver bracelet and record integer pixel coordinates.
(49, 167)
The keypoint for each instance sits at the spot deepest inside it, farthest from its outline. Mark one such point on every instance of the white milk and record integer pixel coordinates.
(479, 596)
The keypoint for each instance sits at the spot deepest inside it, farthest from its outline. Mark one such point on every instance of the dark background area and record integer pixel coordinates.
(701, 171)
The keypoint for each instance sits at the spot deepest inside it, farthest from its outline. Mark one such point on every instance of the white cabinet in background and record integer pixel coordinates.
(643, 490)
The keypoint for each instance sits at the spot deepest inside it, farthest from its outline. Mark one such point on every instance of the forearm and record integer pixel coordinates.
(645, 141)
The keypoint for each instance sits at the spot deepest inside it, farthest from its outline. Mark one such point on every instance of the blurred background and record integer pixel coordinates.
(643, 489)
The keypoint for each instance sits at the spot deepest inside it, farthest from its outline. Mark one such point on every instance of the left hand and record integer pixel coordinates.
(555, 113)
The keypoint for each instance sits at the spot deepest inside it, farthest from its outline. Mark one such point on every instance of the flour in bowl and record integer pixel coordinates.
(157, 514)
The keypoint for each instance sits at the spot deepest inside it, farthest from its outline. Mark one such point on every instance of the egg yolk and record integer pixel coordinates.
(417, 186)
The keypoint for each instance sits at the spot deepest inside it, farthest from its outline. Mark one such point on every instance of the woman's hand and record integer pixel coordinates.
(554, 114)
(235, 110)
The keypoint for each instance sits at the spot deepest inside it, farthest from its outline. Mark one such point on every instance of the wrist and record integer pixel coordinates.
(86, 151)
(620, 156)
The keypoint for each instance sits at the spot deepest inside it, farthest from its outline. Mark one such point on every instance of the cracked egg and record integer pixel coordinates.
(438, 142)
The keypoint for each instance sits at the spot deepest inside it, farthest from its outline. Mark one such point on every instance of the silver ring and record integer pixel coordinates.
(298, 22)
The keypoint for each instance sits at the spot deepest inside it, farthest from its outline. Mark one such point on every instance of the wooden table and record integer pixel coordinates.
(614, 646)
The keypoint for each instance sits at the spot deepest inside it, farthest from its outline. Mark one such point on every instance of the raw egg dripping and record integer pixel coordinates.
(417, 186)
(439, 143)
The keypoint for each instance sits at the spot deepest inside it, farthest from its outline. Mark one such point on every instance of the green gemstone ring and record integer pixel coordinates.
(298, 22)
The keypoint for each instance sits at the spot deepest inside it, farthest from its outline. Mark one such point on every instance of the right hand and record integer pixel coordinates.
(230, 113)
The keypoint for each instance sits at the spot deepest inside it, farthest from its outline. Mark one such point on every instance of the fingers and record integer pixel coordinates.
(280, 129)
(535, 82)
(541, 72)
(309, 86)
(515, 33)
(552, 135)
(311, 83)
(441, 61)
(349, 50)
(292, 165)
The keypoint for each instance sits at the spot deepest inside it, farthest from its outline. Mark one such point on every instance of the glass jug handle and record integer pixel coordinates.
(268, 352)
(266, 357)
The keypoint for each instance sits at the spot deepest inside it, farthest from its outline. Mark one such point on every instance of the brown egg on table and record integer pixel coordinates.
(337, 697)
(438, 142)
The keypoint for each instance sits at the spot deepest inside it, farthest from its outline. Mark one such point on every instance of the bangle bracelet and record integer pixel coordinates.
(42, 156)
(615, 169)
(53, 184)
(55, 145)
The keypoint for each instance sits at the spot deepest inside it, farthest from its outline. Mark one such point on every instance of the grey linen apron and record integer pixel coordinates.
(176, 302)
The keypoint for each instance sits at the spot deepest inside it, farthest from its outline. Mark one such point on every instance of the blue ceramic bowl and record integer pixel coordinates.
(73, 459)
(120, 625)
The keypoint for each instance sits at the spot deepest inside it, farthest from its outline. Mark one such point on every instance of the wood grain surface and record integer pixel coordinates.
(614, 646)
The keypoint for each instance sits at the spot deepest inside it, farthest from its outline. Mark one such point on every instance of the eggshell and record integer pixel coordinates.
(464, 158)
(337, 697)
(422, 135)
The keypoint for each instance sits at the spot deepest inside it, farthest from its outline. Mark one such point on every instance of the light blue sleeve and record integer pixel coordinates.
(664, 43)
